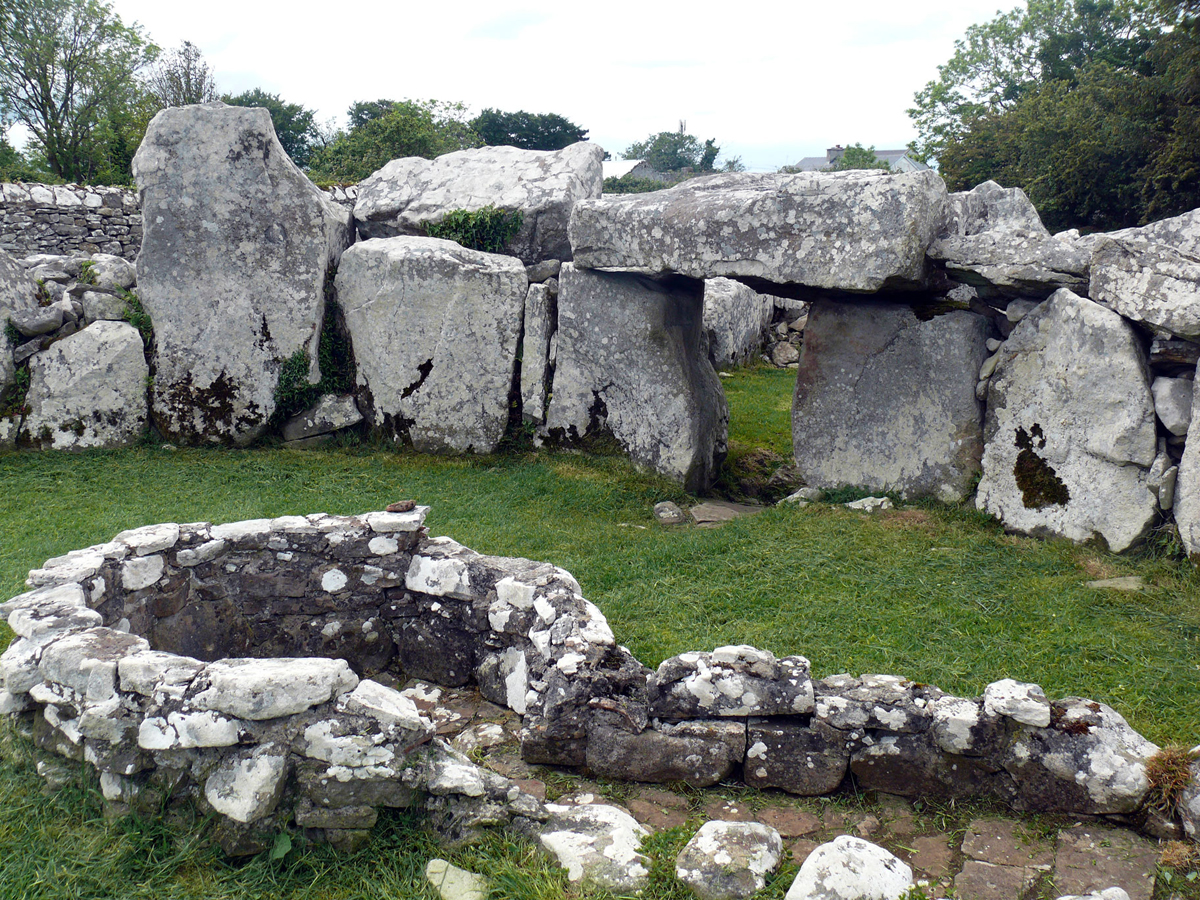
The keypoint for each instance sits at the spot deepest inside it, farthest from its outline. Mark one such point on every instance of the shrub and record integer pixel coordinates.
(487, 228)
(630, 184)
(136, 315)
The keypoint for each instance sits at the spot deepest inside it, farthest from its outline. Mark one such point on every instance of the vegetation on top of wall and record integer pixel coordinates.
(135, 314)
(488, 228)
(631, 184)
(294, 393)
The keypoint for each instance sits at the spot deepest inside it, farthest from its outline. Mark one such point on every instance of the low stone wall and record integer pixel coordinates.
(69, 219)
(167, 659)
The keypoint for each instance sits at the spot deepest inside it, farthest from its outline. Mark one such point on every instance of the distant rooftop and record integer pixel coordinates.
(899, 160)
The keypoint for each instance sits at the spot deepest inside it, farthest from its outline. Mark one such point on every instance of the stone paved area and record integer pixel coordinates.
(966, 852)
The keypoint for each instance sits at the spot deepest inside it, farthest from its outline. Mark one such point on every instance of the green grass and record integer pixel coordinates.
(937, 594)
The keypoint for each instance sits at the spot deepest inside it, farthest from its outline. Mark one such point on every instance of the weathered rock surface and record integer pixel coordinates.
(435, 329)
(630, 365)
(333, 412)
(599, 845)
(1069, 457)
(235, 253)
(849, 868)
(848, 231)
(249, 787)
(1150, 282)
(537, 366)
(736, 320)
(453, 883)
(1189, 804)
(542, 185)
(886, 401)
(784, 753)
(997, 243)
(16, 288)
(699, 753)
(1187, 482)
(1088, 760)
(1173, 403)
(88, 390)
(1181, 232)
(731, 681)
(729, 860)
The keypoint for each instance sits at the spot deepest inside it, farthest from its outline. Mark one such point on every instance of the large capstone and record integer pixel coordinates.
(736, 321)
(630, 364)
(1150, 282)
(408, 194)
(88, 390)
(850, 231)
(996, 241)
(435, 329)
(1069, 456)
(885, 399)
(235, 253)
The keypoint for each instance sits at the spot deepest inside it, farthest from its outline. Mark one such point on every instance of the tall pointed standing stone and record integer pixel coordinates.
(235, 252)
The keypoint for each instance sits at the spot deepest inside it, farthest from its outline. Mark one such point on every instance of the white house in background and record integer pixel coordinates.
(638, 168)
(899, 160)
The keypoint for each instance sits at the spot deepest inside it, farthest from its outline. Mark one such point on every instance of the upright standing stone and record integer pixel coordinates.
(540, 314)
(88, 390)
(1187, 484)
(850, 231)
(16, 293)
(1070, 428)
(435, 328)
(886, 400)
(543, 185)
(236, 249)
(736, 319)
(630, 365)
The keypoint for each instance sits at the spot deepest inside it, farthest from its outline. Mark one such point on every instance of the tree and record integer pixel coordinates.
(426, 128)
(530, 131)
(66, 66)
(182, 77)
(295, 126)
(858, 157)
(999, 62)
(672, 151)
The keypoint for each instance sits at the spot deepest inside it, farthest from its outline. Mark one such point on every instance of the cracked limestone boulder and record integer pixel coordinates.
(729, 860)
(435, 328)
(736, 321)
(849, 868)
(543, 185)
(630, 365)
(1150, 282)
(598, 845)
(996, 242)
(236, 248)
(848, 231)
(88, 390)
(885, 399)
(1069, 436)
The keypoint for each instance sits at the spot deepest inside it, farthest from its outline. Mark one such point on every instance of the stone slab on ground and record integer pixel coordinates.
(1003, 842)
(932, 855)
(985, 881)
(1092, 858)
(712, 513)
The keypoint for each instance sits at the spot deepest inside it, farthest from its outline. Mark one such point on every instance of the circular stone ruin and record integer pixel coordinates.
(234, 664)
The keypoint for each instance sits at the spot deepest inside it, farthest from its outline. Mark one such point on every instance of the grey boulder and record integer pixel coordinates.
(435, 329)
(630, 365)
(729, 860)
(850, 231)
(597, 845)
(1149, 282)
(88, 390)
(408, 193)
(1069, 457)
(997, 243)
(1187, 482)
(16, 288)
(235, 252)
(886, 401)
(736, 319)
(849, 868)
(333, 412)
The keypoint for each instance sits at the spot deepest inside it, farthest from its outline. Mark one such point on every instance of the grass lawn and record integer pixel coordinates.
(936, 594)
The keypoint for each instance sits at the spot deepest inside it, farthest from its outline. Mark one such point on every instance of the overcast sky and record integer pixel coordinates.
(771, 81)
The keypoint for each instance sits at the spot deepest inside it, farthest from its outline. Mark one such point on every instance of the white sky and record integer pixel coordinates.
(771, 80)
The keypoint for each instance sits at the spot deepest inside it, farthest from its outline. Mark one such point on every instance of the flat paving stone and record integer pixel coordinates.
(712, 513)
(801, 849)
(532, 786)
(1091, 859)
(984, 881)
(661, 798)
(1004, 843)
(655, 817)
(728, 811)
(789, 821)
(933, 855)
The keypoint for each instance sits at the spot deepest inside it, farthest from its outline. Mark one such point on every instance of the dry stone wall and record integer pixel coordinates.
(66, 219)
(236, 663)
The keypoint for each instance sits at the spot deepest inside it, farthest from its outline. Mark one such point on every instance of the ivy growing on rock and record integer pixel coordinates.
(488, 228)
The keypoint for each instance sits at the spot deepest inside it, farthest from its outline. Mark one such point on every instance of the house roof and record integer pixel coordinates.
(615, 168)
(899, 160)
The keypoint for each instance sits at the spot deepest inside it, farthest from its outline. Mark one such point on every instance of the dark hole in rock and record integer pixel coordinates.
(1039, 483)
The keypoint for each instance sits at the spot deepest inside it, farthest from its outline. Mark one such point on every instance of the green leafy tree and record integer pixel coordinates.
(410, 128)
(67, 67)
(182, 77)
(364, 111)
(295, 126)
(529, 131)
(668, 151)
(857, 156)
